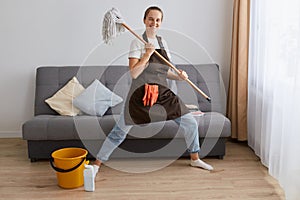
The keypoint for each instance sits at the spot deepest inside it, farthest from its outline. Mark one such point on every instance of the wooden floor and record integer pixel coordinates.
(239, 176)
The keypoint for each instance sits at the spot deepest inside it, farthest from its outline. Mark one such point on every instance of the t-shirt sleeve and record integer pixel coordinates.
(136, 49)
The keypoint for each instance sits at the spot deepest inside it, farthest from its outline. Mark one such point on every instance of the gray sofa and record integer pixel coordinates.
(48, 131)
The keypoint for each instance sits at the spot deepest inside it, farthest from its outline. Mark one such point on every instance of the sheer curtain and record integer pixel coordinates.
(274, 89)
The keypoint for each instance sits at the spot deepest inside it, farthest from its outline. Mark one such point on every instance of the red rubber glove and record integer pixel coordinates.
(145, 98)
(151, 95)
(154, 94)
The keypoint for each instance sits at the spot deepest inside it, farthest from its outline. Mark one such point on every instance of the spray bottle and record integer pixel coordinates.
(89, 182)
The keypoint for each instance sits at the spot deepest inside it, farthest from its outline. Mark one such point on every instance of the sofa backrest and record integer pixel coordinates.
(49, 79)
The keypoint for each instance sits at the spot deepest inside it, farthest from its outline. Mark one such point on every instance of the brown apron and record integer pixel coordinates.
(167, 107)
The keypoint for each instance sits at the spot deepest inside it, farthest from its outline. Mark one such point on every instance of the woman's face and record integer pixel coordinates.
(153, 20)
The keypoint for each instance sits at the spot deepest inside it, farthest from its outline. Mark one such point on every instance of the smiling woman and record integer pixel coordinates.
(150, 99)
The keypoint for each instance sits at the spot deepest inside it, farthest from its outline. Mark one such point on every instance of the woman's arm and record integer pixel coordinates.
(174, 76)
(136, 65)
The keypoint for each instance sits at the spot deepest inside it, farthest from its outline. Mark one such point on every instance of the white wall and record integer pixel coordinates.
(63, 32)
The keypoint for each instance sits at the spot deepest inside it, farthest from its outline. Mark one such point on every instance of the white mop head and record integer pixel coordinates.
(112, 25)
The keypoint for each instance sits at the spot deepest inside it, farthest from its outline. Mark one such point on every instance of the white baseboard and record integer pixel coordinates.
(10, 134)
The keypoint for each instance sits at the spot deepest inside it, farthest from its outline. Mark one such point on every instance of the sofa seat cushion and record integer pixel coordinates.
(213, 125)
(55, 127)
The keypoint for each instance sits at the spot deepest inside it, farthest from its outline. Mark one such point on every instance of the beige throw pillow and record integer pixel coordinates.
(62, 100)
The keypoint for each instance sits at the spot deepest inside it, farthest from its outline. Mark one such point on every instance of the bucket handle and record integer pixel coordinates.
(64, 170)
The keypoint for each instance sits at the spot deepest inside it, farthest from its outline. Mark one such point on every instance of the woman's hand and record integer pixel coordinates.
(183, 75)
(149, 48)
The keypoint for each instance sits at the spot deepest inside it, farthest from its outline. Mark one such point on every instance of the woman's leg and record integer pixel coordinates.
(113, 140)
(190, 130)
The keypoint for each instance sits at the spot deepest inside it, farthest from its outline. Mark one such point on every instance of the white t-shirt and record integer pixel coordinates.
(137, 48)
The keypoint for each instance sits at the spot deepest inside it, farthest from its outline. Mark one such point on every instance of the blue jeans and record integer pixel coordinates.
(118, 134)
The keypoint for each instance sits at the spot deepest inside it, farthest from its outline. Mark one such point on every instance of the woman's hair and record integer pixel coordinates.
(153, 8)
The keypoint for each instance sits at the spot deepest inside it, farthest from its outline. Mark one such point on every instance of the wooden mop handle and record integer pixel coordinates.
(168, 63)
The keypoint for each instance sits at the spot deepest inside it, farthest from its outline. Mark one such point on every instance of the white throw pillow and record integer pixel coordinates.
(62, 100)
(96, 99)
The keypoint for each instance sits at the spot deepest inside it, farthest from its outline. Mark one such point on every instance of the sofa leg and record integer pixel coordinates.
(221, 157)
(33, 159)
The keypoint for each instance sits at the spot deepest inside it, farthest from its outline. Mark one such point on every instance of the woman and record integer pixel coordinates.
(149, 98)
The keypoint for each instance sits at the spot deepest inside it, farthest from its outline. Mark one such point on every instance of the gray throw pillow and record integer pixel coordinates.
(96, 99)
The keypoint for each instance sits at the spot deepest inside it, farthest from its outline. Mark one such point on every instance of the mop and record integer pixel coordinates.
(113, 25)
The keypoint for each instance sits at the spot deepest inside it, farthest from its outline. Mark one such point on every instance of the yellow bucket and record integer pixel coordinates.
(69, 165)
